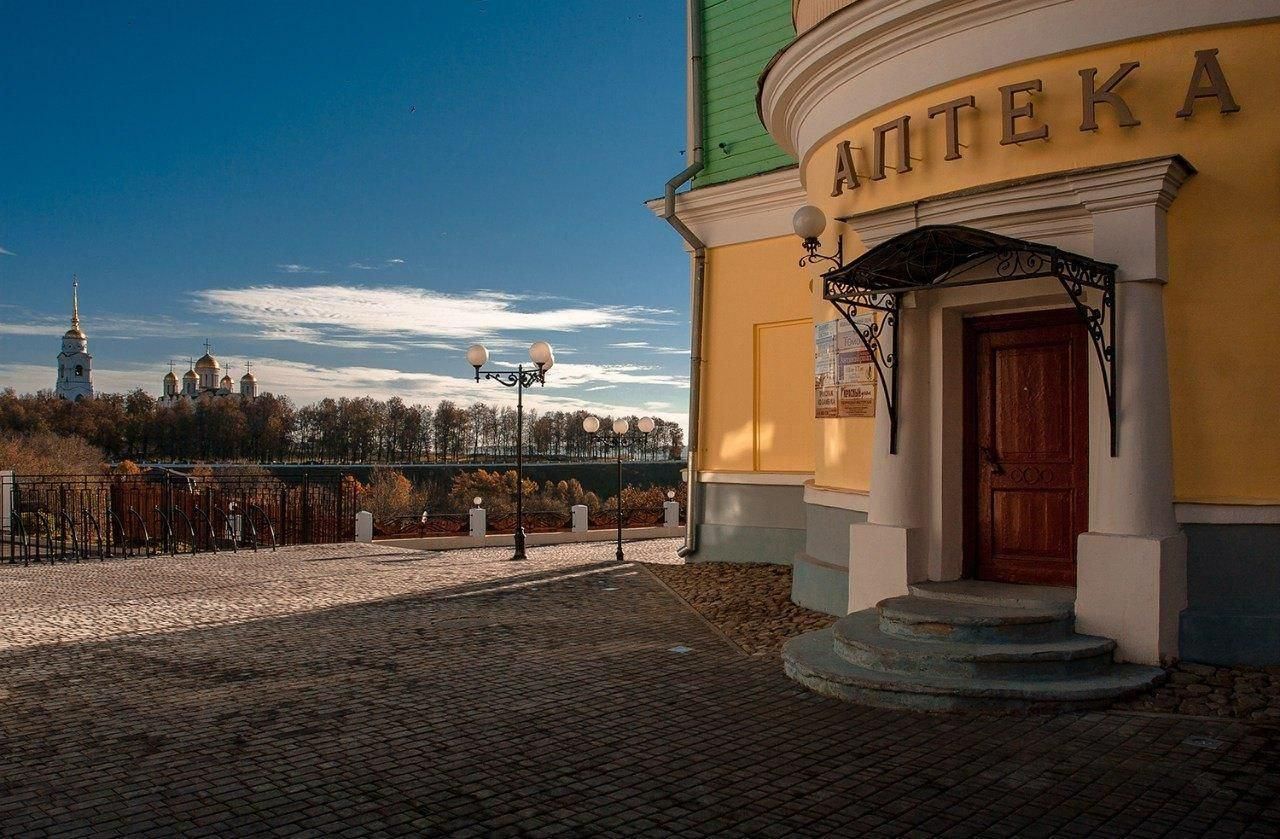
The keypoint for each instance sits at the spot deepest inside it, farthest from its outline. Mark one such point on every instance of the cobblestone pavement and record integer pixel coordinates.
(749, 603)
(361, 692)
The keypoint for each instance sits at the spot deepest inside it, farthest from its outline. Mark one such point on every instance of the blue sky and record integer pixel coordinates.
(346, 194)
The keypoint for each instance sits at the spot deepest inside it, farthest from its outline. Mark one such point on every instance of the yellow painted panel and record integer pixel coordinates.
(1222, 302)
(749, 284)
(784, 396)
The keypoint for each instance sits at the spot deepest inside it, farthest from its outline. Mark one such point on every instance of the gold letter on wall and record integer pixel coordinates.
(846, 175)
(951, 123)
(1092, 96)
(1012, 114)
(1207, 80)
(904, 147)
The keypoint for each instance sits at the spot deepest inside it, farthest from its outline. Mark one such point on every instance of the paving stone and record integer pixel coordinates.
(363, 690)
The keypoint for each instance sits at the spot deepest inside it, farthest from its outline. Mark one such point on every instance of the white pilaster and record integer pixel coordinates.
(891, 549)
(1131, 566)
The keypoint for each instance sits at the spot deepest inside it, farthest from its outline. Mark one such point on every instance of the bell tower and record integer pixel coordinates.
(75, 365)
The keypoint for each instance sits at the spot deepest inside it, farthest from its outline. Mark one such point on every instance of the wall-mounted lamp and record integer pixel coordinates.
(809, 222)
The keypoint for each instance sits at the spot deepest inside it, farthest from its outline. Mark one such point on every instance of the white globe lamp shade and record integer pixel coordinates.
(591, 425)
(809, 222)
(550, 362)
(477, 500)
(621, 426)
(477, 355)
(646, 425)
(540, 352)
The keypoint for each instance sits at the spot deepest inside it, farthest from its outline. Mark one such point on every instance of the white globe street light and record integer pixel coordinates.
(620, 441)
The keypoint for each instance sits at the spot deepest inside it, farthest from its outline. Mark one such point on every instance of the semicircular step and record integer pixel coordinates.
(928, 619)
(859, 641)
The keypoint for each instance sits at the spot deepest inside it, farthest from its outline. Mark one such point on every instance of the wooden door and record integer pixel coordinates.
(1027, 442)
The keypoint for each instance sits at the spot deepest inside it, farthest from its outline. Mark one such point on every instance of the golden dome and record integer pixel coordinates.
(226, 380)
(248, 377)
(170, 377)
(190, 375)
(207, 362)
(73, 332)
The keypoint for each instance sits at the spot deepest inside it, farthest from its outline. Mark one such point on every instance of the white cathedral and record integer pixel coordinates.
(75, 369)
(201, 380)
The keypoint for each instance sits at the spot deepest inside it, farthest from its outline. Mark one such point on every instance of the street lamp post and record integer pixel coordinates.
(520, 378)
(619, 441)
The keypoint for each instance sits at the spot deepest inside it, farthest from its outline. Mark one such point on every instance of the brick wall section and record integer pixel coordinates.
(739, 38)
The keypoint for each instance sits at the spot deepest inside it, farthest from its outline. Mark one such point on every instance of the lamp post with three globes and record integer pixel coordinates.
(620, 441)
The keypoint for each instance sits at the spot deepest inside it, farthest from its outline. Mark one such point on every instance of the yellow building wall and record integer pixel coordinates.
(757, 398)
(1223, 297)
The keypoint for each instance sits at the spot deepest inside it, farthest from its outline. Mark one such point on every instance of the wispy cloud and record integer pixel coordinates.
(6, 252)
(295, 268)
(325, 313)
(645, 345)
(116, 328)
(376, 266)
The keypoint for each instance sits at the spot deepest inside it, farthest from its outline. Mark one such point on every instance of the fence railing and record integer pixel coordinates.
(535, 521)
(95, 517)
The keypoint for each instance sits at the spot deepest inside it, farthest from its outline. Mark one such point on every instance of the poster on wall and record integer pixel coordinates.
(845, 378)
(826, 396)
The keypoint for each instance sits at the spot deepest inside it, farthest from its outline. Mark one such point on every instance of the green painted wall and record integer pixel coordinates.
(739, 37)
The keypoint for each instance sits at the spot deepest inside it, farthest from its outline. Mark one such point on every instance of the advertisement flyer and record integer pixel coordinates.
(844, 377)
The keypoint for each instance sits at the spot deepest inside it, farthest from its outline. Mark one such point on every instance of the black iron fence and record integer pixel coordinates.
(535, 521)
(89, 517)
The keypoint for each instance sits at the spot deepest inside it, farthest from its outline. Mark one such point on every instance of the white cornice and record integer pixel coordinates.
(1190, 512)
(876, 52)
(790, 479)
(746, 210)
(1056, 208)
(840, 499)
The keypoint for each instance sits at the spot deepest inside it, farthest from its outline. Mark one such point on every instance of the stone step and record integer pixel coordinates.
(811, 660)
(859, 641)
(987, 593)
(929, 619)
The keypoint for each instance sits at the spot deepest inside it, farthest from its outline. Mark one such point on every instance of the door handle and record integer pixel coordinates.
(989, 457)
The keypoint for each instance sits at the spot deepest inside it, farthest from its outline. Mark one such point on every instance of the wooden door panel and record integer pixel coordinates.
(1026, 446)
(1032, 523)
(1024, 379)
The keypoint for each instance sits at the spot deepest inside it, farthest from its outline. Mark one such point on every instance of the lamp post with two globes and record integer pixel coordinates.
(520, 378)
(620, 441)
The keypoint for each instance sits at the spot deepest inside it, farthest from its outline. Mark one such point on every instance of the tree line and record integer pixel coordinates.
(270, 428)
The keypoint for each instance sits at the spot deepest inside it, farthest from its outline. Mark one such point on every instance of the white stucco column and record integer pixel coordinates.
(1131, 572)
(891, 549)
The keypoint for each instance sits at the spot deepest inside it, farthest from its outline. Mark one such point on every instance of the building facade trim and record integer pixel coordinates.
(876, 52)
(790, 479)
(747, 210)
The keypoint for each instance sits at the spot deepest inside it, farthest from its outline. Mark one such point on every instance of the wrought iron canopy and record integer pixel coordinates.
(948, 256)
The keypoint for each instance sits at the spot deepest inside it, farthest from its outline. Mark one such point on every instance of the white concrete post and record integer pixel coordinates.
(477, 522)
(578, 512)
(891, 549)
(1131, 575)
(364, 526)
(671, 513)
(6, 498)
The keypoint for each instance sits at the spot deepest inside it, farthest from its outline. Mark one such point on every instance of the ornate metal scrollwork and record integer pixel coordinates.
(885, 358)
(812, 257)
(930, 256)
